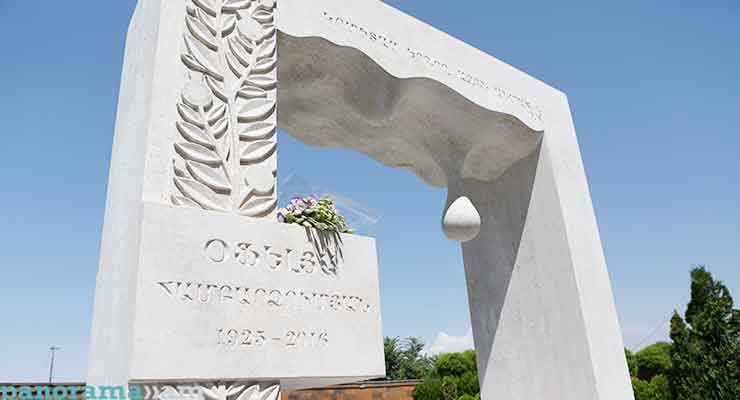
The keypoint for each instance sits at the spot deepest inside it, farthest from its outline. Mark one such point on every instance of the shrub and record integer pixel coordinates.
(468, 383)
(631, 362)
(661, 388)
(653, 360)
(455, 377)
(431, 389)
(642, 389)
(454, 364)
(449, 388)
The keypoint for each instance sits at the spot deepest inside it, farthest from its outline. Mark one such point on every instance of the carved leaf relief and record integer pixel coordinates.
(218, 391)
(260, 130)
(258, 151)
(195, 134)
(225, 146)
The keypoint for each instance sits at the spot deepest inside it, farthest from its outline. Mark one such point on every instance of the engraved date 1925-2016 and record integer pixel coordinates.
(247, 338)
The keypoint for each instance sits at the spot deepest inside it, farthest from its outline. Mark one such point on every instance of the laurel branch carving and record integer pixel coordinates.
(212, 391)
(225, 151)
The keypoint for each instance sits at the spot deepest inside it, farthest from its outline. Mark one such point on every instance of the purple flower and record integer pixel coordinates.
(281, 215)
(311, 201)
(297, 204)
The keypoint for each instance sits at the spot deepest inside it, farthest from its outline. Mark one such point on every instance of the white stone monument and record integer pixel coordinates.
(197, 281)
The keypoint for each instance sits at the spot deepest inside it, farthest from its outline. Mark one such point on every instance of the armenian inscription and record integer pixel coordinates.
(293, 299)
(441, 66)
(306, 260)
(217, 287)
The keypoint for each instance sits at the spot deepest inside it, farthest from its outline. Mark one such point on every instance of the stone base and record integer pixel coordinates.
(219, 298)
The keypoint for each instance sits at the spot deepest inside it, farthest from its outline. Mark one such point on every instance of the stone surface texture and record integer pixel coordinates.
(358, 75)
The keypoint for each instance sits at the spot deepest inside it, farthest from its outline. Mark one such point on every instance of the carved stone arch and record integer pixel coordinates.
(361, 75)
(369, 78)
(336, 96)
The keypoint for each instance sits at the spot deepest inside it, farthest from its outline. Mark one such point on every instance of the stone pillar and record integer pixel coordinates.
(199, 287)
(544, 321)
(196, 128)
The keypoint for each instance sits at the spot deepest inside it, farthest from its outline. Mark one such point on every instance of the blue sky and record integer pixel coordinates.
(656, 100)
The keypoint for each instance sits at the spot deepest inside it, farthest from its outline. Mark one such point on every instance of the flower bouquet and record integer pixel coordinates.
(313, 213)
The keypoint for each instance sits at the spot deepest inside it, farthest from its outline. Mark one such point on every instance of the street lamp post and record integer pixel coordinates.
(53, 349)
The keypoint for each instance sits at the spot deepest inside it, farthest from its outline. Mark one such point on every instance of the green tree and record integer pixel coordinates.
(706, 344)
(405, 359)
(642, 389)
(454, 377)
(414, 363)
(661, 388)
(392, 350)
(631, 362)
(431, 389)
(454, 364)
(468, 383)
(449, 388)
(653, 360)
